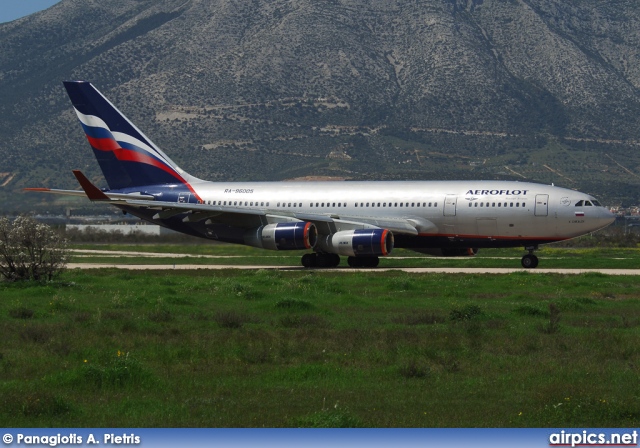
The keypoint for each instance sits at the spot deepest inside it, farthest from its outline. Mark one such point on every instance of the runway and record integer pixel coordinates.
(447, 270)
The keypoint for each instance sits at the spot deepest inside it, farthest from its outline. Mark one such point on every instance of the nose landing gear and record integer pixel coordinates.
(530, 261)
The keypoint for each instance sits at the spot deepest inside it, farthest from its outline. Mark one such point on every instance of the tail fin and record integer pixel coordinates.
(127, 157)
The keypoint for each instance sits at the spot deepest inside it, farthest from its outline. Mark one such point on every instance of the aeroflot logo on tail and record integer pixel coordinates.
(497, 192)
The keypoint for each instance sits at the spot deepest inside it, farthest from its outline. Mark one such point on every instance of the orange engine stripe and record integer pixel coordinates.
(382, 242)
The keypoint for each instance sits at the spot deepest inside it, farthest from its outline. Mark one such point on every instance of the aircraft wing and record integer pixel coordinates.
(244, 217)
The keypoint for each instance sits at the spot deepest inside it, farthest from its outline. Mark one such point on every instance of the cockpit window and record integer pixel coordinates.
(579, 203)
(596, 203)
(587, 203)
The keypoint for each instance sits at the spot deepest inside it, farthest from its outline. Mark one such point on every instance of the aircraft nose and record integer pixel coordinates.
(605, 218)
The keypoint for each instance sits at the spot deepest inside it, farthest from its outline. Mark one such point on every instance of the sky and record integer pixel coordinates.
(14, 9)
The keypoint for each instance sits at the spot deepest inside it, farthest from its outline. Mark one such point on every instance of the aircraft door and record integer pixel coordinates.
(542, 205)
(450, 203)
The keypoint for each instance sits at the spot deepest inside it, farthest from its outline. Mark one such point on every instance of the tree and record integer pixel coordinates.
(30, 250)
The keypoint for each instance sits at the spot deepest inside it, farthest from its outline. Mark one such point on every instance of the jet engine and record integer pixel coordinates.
(360, 242)
(283, 236)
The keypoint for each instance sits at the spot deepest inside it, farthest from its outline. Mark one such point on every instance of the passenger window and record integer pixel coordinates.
(429, 204)
(435, 204)
(499, 204)
(334, 204)
(413, 204)
(475, 204)
(517, 204)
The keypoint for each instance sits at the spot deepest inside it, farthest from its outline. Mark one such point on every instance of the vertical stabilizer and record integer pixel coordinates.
(127, 157)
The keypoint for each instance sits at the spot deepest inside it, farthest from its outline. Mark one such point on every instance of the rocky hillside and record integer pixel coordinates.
(546, 90)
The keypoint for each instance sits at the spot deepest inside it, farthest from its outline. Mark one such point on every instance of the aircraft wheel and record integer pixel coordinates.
(529, 261)
(353, 262)
(309, 260)
(335, 260)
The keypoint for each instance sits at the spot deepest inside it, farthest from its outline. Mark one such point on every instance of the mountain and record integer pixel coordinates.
(543, 90)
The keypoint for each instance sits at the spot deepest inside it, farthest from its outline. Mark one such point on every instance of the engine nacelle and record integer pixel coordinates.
(359, 242)
(449, 251)
(283, 236)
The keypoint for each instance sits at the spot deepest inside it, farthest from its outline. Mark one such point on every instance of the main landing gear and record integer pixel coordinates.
(530, 261)
(324, 260)
(320, 260)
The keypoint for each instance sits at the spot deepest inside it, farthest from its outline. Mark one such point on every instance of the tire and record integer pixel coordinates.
(309, 260)
(529, 261)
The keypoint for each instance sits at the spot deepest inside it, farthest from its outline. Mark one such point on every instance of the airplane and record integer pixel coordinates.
(360, 220)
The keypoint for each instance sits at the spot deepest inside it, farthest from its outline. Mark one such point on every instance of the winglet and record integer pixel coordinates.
(93, 192)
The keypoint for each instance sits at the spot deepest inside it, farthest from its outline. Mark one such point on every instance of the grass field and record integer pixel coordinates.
(110, 348)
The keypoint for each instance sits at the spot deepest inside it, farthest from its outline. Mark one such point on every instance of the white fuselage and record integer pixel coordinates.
(493, 210)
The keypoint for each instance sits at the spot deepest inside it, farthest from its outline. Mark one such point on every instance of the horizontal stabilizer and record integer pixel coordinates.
(91, 191)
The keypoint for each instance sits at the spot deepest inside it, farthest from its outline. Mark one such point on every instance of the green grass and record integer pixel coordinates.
(110, 348)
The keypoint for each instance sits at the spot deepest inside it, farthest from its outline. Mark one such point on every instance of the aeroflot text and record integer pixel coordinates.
(497, 192)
